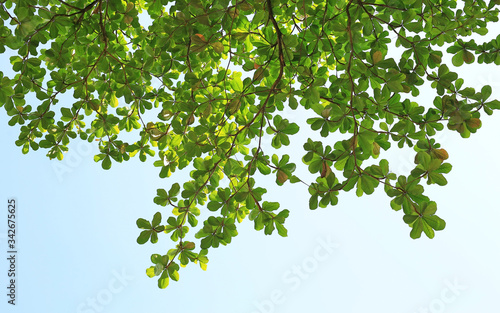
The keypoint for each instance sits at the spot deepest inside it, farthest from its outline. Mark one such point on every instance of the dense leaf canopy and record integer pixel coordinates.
(199, 85)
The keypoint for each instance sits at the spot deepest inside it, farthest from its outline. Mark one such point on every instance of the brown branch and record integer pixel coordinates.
(279, 43)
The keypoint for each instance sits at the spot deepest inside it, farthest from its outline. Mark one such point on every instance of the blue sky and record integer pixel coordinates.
(77, 250)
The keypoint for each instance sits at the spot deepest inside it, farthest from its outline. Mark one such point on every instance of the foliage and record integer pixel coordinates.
(207, 81)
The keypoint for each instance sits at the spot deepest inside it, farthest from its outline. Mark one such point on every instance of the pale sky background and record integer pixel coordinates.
(77, 250)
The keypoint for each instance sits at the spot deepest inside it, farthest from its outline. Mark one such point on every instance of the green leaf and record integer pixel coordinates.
(106, 163)
(173, 274)
(218, 47)
(142, 223)
(429, 232)
(270, 206)
(486, 92)
(468, 57)
(156, 219)
(437, 178)
(458, 59)
(494, 104)
(154, 237)
(292, 102)
(435, 222)
(408, 219)
(144, 237)
(158, 269)
(151, 272)
(313, 202)
(417, 229)
(163, 280)
(282, 231)
(367, 184)
(395, 86)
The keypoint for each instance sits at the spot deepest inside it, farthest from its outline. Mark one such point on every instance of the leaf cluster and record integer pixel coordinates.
(205, 83)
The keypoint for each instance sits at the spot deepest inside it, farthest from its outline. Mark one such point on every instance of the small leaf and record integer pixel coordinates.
(144, 237)
(281, 177)
(468, 57)
(377, 57)
(198, 39)
(142, 223)
(189, 245)
(174, 275)
(163, 280)
(325, 169)
(428, 230)
(417, 229)
(218, 47)
(106, 163)
(486, 92)
(151, 272)
(457, 59)
(258, 74)
(234, 106)
(408, 219)
(282, 231)
(130, 6)
(158, 269)
(156, 219)
(438, 178)
(128, 19)
(154, 237)
(435, 222)
(441, 154)
(474, 122)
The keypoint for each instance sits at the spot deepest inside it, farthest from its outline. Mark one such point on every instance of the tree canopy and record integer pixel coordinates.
(201, 84)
